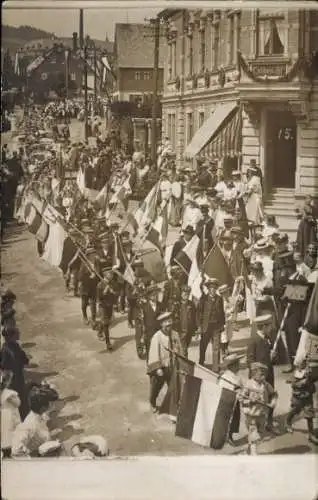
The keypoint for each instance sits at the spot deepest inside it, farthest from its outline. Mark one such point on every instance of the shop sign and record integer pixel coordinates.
(263, 69)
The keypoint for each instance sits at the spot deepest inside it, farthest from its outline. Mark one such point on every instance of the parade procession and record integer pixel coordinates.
(162, 291)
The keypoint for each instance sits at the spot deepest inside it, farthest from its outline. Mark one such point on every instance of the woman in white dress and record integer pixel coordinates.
(254, 197)
(10, 416)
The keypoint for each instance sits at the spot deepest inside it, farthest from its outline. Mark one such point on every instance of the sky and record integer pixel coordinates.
(64, 22)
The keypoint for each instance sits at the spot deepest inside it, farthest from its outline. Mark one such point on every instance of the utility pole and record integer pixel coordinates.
(81, 41)
(85, 94)
(95, 74)
(155, 93)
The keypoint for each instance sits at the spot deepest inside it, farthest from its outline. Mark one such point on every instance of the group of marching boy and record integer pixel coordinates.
(229, 258)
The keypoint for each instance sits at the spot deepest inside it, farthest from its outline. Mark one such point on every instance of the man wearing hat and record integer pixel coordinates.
(230, 379)
(87, 285)
(212, 323)
(160, 359)
(260, 351)
(258, 399)
(204, 230)
(186, 236)
(224, 291)
(106, 295)
(151, 309)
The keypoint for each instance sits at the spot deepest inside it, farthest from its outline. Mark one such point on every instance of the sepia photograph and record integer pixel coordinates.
(159, 250)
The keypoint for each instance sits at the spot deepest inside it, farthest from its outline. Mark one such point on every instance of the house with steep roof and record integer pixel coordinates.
(133, 64)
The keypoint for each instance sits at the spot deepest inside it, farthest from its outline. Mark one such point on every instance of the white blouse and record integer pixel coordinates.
(30, 434)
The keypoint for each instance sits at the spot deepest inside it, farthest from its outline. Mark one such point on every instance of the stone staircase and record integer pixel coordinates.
(282, 203)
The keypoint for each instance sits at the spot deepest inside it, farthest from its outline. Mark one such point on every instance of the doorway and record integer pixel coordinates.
(281, 148)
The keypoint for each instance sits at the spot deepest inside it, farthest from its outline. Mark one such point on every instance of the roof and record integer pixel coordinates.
(48, 43)
(134, 46)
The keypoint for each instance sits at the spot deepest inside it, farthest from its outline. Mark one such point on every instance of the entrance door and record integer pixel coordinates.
(281, 130)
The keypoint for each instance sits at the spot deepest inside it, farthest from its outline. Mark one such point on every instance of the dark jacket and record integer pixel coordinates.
(177, 247)
(259, 350)
(212, 313)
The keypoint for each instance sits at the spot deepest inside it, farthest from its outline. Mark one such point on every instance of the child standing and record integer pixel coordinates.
(257, 398)
(303, 389)
(10, 416)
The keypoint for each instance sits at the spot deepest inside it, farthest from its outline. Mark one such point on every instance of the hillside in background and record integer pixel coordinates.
(13, 38)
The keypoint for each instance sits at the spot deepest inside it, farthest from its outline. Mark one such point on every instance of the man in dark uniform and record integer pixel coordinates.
(212, 323)
(283, 267)
(186, 236)
(107, 294)
(151, 309)
(260, 351)
(204, 230)
(187, 319)
(88, 284)
(172, 295)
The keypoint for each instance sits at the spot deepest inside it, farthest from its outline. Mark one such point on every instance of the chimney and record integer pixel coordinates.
(81, 29)
(75, 41)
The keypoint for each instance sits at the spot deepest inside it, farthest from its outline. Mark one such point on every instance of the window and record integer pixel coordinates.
(189, 127)
(137, 75)
(73, 77)
(53, 60)
(202, 49)
(146, 75)
(201, 118)
(271, 33)
(216, 45)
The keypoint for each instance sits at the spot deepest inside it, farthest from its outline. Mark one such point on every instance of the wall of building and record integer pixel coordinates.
(308, 149)
(131, 80)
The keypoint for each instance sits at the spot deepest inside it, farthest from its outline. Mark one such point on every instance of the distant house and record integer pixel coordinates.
(133, 62)
(44, 61)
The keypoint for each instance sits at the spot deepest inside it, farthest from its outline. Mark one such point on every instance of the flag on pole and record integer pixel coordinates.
(36, 224)
(122, 192)
(215, 266)
(205, 412)
(146, 212)
(187, 259)
(152, 260)
(101, 200)
(181, 367)
(88, 193)
(59, 249)
(158, 231)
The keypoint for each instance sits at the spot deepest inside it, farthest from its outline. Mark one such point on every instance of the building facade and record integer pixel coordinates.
(134, 69)
(261, 61)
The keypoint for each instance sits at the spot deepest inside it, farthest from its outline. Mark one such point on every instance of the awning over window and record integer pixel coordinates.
(219, 135)
(228, 140)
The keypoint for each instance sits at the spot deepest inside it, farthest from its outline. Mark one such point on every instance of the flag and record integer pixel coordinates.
(36, 224)
(88, 193)
(187, 260)
(153, 261)
(122, 192)
(59, 249)
(146, 212)
(157, 234)
(181, 367)
(205, 412)
(101, 200)
(215, 266)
